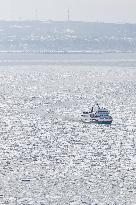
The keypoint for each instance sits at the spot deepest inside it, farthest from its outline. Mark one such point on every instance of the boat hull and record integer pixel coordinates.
(97, 122)
(107, 123)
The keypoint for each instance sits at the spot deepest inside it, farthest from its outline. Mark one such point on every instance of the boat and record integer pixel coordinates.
(100, 116)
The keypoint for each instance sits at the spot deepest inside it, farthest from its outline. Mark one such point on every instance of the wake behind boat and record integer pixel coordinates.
(100, 116)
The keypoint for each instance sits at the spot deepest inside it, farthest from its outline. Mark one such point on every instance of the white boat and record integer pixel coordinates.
(101, 116)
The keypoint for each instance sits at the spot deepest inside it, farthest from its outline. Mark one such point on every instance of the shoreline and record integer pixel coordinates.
(67, 52)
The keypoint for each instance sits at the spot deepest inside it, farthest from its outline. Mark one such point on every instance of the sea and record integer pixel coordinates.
(48, 156)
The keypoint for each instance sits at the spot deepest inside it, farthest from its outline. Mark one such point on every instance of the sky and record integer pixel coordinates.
(118, 11)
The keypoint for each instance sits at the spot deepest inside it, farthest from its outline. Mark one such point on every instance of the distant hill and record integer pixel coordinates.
(51, 36)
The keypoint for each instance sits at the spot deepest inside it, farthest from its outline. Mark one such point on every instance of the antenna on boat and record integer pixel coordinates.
(98, 105)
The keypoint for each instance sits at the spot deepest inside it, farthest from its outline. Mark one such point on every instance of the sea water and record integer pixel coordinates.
(47, 155)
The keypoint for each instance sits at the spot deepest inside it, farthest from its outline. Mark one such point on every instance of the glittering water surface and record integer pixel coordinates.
(47, 155)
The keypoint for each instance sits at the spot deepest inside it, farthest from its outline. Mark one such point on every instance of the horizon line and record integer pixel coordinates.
(70, 21)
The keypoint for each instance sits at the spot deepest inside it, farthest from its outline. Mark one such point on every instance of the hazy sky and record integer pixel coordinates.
(80, 10)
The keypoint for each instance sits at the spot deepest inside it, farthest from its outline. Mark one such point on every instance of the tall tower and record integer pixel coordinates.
(68, 14)
(36, 14)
